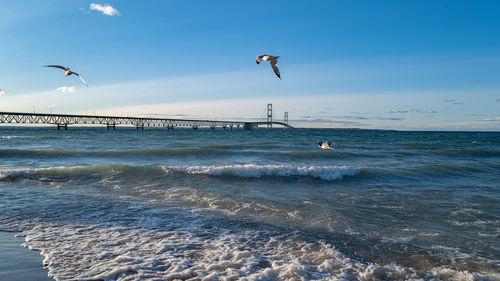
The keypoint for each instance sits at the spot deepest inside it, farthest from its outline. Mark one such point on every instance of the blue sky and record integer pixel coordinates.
(432, 65)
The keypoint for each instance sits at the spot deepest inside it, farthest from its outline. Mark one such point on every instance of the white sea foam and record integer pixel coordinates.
(256, 170)
(99, 252)
(16, 137)
(101, 240)
(15, 173)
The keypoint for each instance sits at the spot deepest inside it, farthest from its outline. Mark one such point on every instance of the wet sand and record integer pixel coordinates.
(17, 263)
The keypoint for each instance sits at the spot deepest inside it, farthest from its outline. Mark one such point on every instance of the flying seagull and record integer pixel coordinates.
(68, 72)
(272, 60)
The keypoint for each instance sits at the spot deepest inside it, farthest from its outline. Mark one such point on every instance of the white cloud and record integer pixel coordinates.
(107, 10)
(430, 111)
(397, 111)
(350, 117)
(1, 92)
(67, 89)
(489, 119)
(391, 118)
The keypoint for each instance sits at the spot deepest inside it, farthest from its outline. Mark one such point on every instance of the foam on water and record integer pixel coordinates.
(200, 251)
(256, 170)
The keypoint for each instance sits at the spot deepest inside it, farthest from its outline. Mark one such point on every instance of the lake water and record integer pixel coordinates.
(255, 205)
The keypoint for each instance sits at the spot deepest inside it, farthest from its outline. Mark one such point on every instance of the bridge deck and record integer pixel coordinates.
(63, 120)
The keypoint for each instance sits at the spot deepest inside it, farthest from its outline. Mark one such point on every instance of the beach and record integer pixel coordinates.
(255, 205)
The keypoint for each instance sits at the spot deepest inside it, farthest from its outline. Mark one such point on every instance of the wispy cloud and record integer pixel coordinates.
(489, 119)
(2, 92)
(327, 121)
(350, 117)
(105, 9)
(430, 111)
(397, 111)
(66, 89)
(83, 10)
(453, 101)
(391, 118)
(475, 81)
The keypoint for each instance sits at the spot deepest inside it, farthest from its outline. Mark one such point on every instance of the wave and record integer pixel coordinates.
(237, 170)
(16, 137)
(109, 153)
(207, 151)
(257, 171)
(453, 169)
(68, 173)
(328, 173)
(480, 152)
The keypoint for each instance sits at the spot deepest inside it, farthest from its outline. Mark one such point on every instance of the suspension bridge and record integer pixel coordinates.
(62, 121)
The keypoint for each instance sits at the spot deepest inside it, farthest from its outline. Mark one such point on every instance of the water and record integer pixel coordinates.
(160, 205)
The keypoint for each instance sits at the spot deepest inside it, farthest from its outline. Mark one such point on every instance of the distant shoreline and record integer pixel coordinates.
(10, 126)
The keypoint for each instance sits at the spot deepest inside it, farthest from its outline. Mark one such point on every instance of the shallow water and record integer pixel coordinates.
(18, 263)
(156, 204)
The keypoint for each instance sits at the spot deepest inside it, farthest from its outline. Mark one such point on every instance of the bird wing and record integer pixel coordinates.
(274, 65)
(259, 58)
(57, 66)
(80, 78)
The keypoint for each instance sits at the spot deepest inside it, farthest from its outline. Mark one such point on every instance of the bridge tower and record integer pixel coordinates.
(285, 120)
(269, 116)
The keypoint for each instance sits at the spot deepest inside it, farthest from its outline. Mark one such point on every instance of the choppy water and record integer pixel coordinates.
(160, 205)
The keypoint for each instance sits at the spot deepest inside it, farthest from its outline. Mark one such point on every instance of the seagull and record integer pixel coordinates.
(68, 72)
(325, 145)
(272, 60)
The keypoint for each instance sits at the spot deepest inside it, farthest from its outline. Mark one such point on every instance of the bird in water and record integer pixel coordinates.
(67, 72)
(272, 60)
(325, 145)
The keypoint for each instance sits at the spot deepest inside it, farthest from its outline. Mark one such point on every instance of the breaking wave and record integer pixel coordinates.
(236, 170)
(257, 171)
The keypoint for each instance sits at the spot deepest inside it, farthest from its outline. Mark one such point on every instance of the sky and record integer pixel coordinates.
(405, 65)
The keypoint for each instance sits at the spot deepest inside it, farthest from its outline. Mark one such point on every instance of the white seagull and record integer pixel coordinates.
(325, 145)
(272, 60)
(68, 72)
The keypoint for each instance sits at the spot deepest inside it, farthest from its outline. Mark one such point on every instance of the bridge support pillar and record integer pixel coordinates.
(195, 127)
(65, 126)
(113, 126)
(137, 127)
(248, 126)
